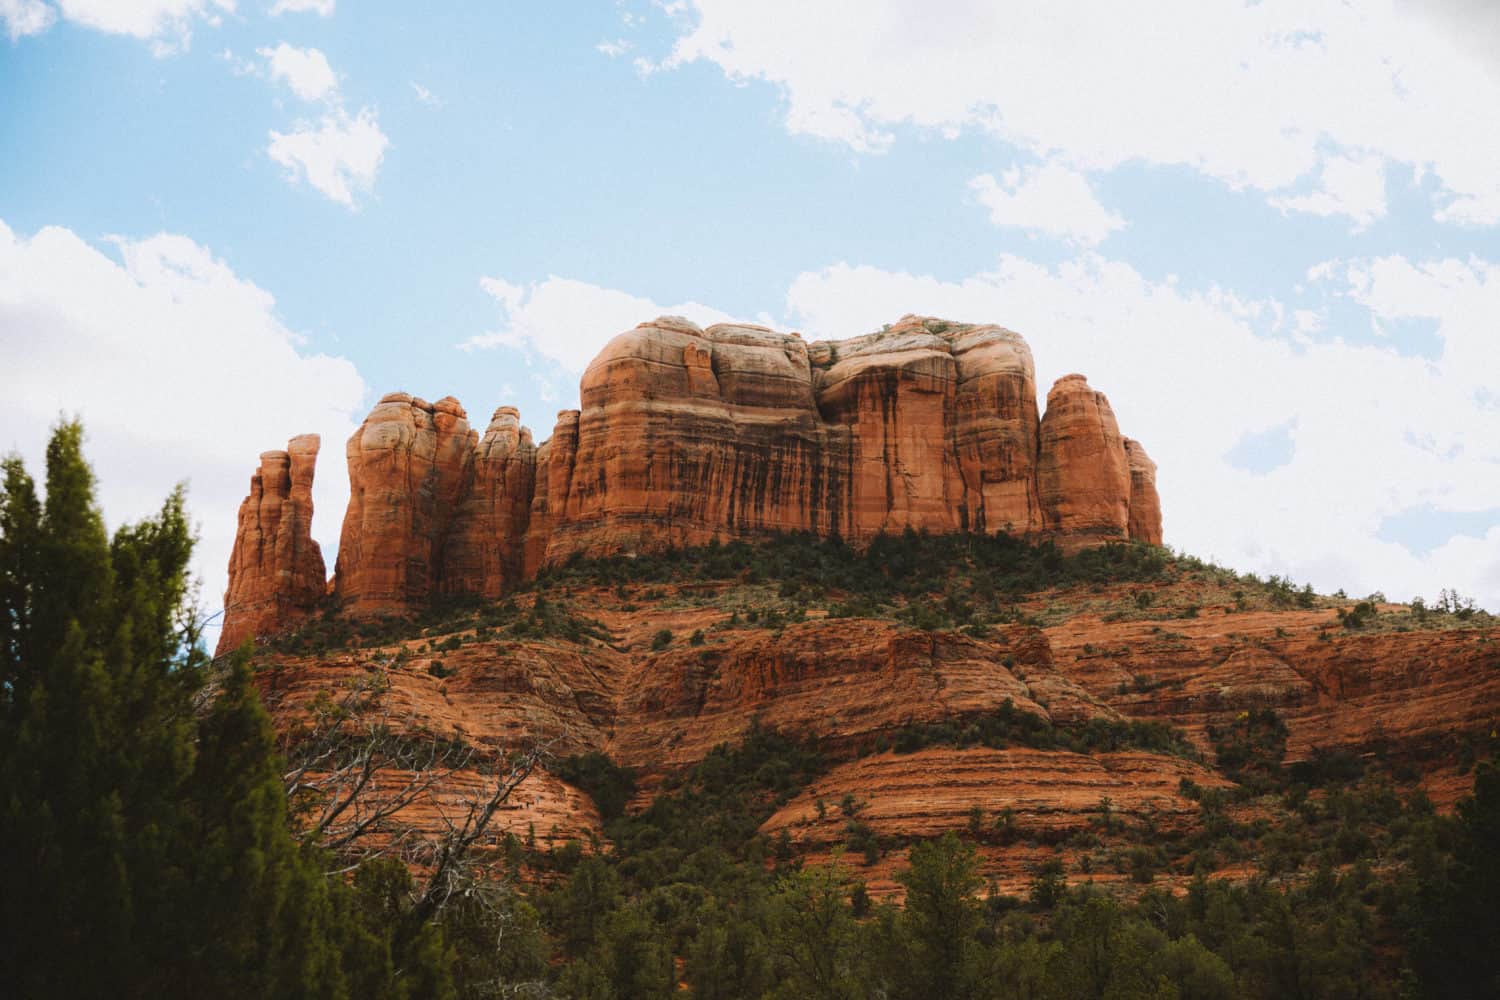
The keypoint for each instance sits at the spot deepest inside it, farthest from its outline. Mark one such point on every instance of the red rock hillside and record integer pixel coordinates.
(686, 435)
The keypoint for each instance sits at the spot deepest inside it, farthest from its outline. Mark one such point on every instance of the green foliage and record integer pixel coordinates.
(608, 784)
(892, 566)
(1009, 726)
(1359, 616)
(691, 877)
(935, 943)
(444, 616)
(1450, 912)
(715, 810)
(1250, 747)
(149, 843)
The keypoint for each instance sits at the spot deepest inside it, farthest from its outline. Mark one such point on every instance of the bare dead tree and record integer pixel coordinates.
(355, 770)
(452, 855)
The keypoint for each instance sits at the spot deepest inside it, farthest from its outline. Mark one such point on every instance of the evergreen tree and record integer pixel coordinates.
(1456, 922)
(149, 846)
(97, 734)
(941, 920)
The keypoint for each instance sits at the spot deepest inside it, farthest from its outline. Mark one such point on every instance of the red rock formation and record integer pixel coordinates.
(845, 681)
(554, 473)
(689, 434)
(1083, 476)
(1145, 504)
(275, 569)
(1044, 789)
(410, 466)
(483, 552)
(1400, 694)
(686, 435)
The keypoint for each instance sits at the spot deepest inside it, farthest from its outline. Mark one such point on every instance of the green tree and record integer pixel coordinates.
(149, 847)
(814, 936)
(935, 951)
(729, 956)
(96, 729)
(1456, 922)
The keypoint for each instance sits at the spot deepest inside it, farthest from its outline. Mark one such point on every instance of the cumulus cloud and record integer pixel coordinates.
(1047, 199)
(305, 71)
(25, 17)
(338, 155)
(1372, 433)
(323, 8)
(166, 23)
(1268, 95)
(568, 321)
(179, 368)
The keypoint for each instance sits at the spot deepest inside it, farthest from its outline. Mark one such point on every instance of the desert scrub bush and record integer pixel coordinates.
(1009, 726)
(889, 567)
(1359, 616)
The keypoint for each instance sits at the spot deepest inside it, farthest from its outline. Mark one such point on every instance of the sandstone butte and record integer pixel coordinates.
(687, 435)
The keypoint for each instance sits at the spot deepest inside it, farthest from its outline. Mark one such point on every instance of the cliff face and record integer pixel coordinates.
(411, 467)
(276, 571)
(686, 435)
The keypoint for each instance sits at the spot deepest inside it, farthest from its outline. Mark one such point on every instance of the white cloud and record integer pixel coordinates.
(1049, 199)
(615, 48)
(1462, 297)
(179, 368)
(1262, 95)
(1190, 373)
(337, 155)
(25, 17)
(425, 96)
(1352, 186)
(568, 321)
(323, 8)
(306, 71)
(166, 23)
(238, 65)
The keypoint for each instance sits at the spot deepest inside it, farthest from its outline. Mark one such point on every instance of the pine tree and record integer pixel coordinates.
(149, 848)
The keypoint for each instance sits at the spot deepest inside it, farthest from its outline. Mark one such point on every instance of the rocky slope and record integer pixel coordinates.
(1410, 699)
(686, 435)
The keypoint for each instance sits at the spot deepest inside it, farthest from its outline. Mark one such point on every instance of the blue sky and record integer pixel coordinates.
(1270, 232)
